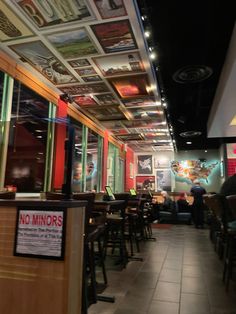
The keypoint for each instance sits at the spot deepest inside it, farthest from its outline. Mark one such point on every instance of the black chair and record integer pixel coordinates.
(115, 232)
(230, 253)
(93, 251)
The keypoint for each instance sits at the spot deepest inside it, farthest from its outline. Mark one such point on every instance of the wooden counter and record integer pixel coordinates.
(30, 285)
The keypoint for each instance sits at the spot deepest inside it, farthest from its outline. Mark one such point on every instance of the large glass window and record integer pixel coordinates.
(27, 143)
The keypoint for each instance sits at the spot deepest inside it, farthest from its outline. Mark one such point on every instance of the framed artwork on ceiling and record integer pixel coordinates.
(145, 183)
(54, 13)
(11, 27)
(130, 86)
(115, 36)
(84, 101)
(161, 162)
(81, 89)
(147, 113)
(110, 9)
(73, 44)
(107, 99)
(117, 65)
(140, 102)
(42, 59)
(144, 164)
(86, 71)
(92, 78)
(79, 63)
(104, 113)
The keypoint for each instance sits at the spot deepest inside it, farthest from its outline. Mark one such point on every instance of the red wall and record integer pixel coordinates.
(231, 165)
(129, 182)
(59, 162)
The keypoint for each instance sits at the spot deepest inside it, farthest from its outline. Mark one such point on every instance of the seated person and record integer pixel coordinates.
(167, 211)
(183, 204)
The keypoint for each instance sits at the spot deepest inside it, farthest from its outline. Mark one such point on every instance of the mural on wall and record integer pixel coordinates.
(190, 170)
(145, 183)
(163, 178)
(144, 164)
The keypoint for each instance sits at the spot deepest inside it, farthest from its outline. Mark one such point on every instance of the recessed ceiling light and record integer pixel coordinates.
(189, 143)
(147, 34)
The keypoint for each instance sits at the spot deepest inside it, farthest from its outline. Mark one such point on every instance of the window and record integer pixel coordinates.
(27, 143)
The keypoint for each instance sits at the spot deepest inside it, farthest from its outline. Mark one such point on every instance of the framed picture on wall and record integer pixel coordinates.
(163, 179)
(145, 183)
(144, 164)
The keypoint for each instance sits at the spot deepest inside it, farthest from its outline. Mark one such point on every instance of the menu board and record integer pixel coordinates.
(40, 232)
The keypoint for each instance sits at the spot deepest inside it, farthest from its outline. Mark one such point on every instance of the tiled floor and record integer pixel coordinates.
(180, 274)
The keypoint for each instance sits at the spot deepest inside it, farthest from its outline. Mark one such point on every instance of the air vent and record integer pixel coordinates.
(188, 134)
(192, 74)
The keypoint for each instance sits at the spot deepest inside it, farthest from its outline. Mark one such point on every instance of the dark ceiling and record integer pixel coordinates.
(191, 40)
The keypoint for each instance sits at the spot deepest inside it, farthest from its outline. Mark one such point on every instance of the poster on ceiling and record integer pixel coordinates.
(144, 164)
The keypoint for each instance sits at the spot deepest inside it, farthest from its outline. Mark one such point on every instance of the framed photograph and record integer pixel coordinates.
(92, 78)
(86, 71)
(40, 232)
(144, 164)
(85, 89)
(45, 15)
(115, 36)
(79, 63)
(85, 101)
(117, 65)
(163, 178)
(110, 9)
(130, 86)
(73, 44)
(107, 99)
(38, 56)
(11, 27)
(161, 162)
(145, 183)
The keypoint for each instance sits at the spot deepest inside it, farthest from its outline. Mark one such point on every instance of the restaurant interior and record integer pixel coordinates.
(113, 102)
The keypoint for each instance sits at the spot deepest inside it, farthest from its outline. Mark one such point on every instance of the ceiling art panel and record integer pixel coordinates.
(84, 101)
(117, 65)
(73, 44)
(115, 36)
(92, 78)
(11, 27)
(53, 13)
(43, 60)
(110, 9)
(85, 89)
(103, 113)
(146, 113)
(79, 63)
(113, 125)
(107, 99)
(86, 71)
(131, 86)
(140, 102)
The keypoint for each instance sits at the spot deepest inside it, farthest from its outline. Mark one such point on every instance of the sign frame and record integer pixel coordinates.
(41, 210)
